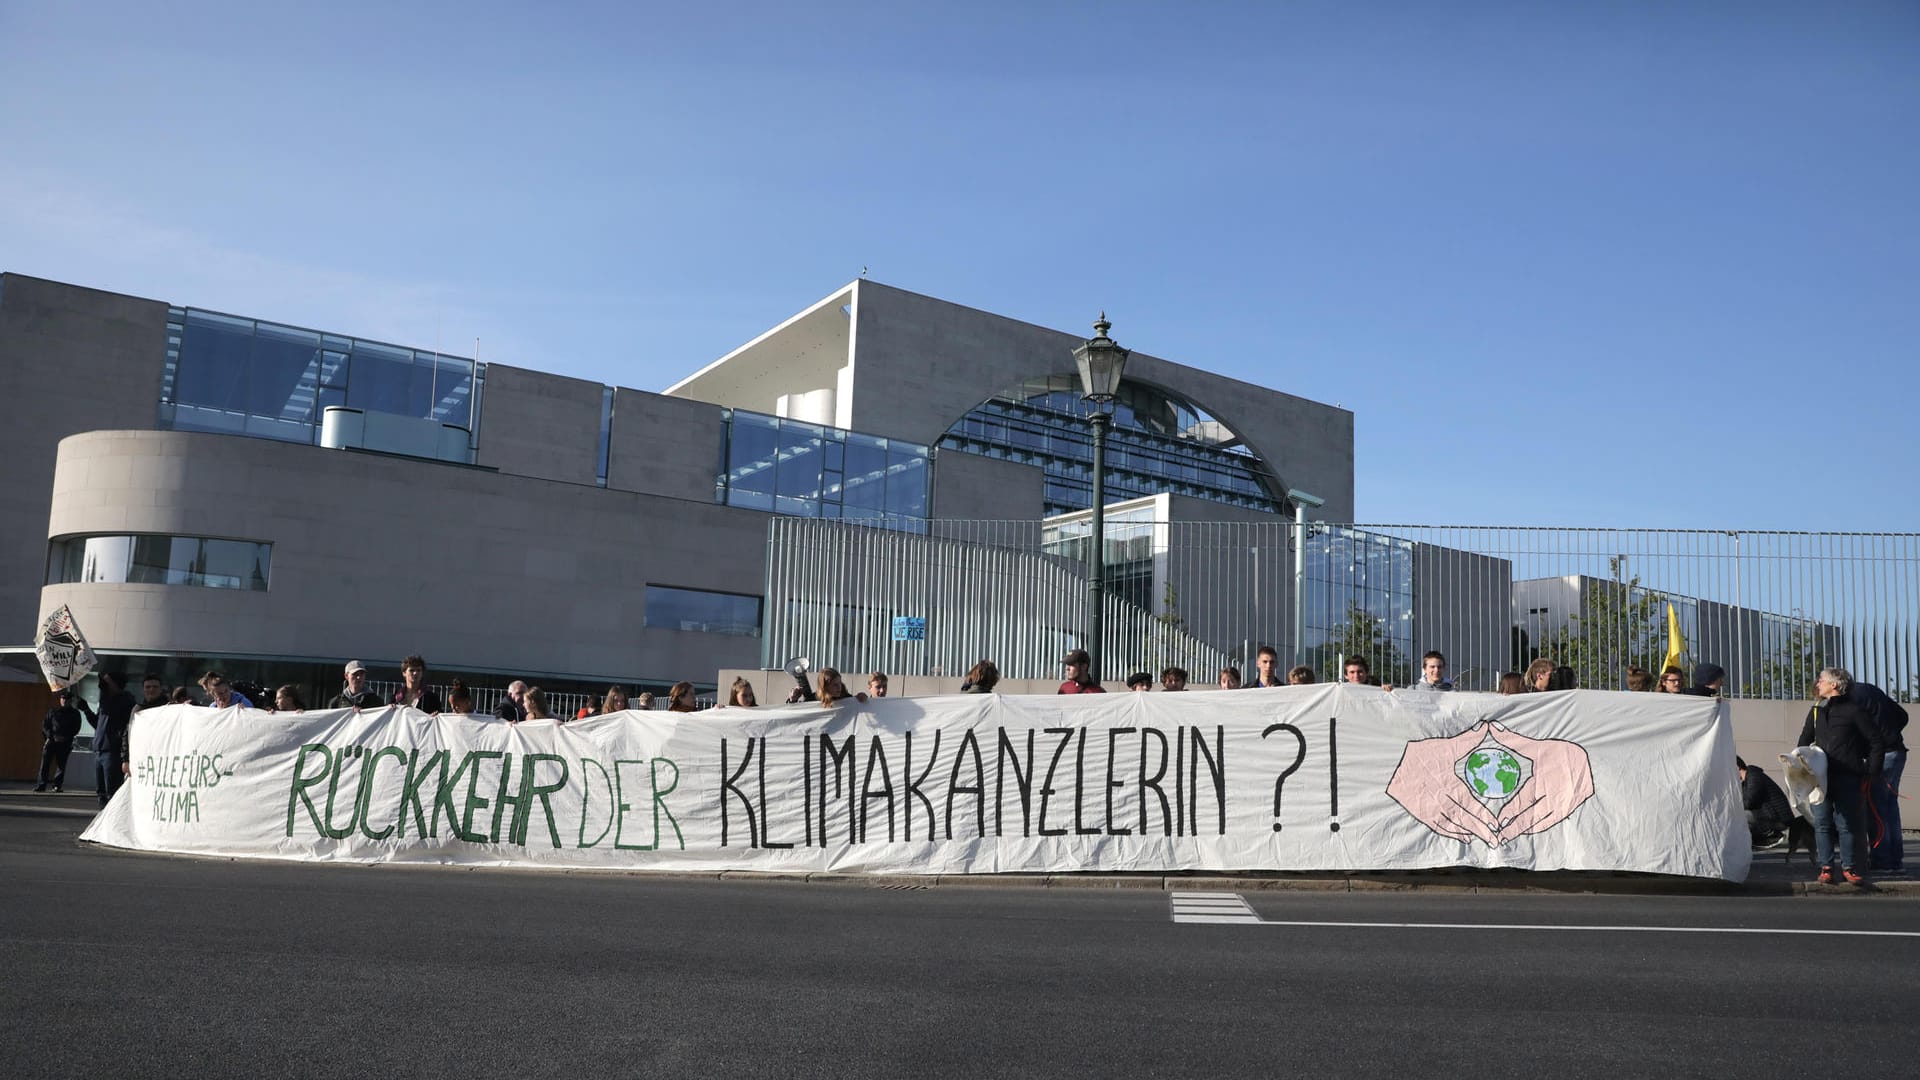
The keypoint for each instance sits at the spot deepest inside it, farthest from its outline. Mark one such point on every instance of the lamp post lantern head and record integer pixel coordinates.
(1100, 362)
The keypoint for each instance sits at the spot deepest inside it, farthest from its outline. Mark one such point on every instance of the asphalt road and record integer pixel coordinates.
(126, 965)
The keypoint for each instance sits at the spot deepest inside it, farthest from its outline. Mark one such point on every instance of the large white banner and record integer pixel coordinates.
(1329, 777)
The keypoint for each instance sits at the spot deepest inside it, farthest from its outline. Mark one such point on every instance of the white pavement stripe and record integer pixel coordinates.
(1626, 929)
(1212, 908)
(1241, 920)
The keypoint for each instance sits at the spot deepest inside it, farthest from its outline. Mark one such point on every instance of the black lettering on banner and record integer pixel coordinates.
(1280, 782)
(841, 760)
(1152, 783)
(1333, 773)
(914, 785)
(1113, 737)
(1080, 784)
(806, 787)
(1022, 778)
(1179, 781)
(731, 785)
(1216, 771)
(1046, 788)
(876, 752)
(968, 745)
(766, 816)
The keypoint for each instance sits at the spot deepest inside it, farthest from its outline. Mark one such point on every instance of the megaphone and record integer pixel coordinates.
(798, 668)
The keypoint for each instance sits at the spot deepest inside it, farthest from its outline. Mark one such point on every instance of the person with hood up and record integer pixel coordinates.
(1707, 680)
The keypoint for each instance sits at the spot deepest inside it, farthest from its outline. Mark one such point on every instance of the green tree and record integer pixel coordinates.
(1787, 673)
(1361, 633)
(1620, 625)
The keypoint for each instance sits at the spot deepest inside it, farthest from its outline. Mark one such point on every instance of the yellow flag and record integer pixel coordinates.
(1675, 643)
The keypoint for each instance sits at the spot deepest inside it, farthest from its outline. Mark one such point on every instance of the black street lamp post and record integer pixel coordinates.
(1100, 362)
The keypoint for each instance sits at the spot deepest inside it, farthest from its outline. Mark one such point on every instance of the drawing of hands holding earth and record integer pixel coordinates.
(1491, 784)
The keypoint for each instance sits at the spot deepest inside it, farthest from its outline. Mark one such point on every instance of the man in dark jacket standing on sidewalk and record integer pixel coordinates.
(1851, 740)
(61, 724)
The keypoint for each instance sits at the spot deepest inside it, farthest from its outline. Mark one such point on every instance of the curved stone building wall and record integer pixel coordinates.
(376, 557)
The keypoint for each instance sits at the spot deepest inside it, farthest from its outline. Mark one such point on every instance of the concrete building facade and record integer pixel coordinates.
(178, 479)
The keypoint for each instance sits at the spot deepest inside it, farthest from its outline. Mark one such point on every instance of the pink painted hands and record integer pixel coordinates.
(1426, 785)
(1562, 779)
(1429, 788)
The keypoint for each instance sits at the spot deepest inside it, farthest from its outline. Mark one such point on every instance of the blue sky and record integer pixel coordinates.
(1599, 264)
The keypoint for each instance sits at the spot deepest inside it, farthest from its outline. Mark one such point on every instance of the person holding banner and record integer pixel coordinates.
(355, 694)
(414, 691)
(110, 736)
(60, 725)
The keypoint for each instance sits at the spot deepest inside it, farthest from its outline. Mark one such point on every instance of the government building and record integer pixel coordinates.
(209, 490)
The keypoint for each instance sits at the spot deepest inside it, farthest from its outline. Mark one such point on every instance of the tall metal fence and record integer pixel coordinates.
(1770, 608)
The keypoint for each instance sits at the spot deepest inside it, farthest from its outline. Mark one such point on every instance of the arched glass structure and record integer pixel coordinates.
(1159, 443)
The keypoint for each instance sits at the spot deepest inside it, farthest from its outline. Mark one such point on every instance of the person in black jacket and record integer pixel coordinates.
(110, 744)
(1851, 740)
(1769, 814)
(355, 694)
(1883, 796)
(60, 725)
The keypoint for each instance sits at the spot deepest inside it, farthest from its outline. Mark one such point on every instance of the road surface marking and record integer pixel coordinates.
(1627, 929)
(1211, 907)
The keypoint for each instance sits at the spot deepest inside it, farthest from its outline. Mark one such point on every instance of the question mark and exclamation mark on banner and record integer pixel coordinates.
(1299, 758)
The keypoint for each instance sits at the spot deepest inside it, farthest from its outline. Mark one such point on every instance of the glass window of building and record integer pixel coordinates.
(702, 611)
(806, 470)
(160, 560)
(1357, 599)
(1159, 443)
(241, 376)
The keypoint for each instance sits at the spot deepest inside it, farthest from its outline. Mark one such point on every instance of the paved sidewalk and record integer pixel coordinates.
(1772, 874)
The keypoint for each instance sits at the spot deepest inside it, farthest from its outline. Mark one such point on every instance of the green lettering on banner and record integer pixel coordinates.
(474, 802)
(501, 800)
(410, 791)
(660, 801)
(366, 793)
(333, 793)
(297, 791)
(443, 796)
(586, 800)
(531, 789)
(621, 807)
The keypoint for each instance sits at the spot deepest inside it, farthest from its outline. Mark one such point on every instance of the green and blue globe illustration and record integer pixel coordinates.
(1493, 773)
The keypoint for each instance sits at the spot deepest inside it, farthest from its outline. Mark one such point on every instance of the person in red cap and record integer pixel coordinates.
(1080, 674)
